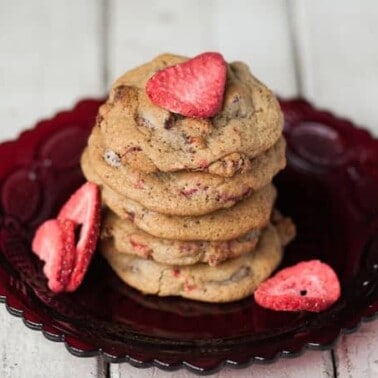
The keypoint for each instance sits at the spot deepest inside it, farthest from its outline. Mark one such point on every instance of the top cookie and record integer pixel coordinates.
(150, 138)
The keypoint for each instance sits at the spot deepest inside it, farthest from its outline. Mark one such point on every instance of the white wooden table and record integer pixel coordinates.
(53, 53)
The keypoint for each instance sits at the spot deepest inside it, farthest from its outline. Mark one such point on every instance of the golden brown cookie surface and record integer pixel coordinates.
(127, 238)
(224, 224)
(231, 280)
(150, 138)
(181, 193)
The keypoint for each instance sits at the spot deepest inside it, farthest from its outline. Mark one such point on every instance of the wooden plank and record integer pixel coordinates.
(50, 58)
(312, 364)
(27, 353)
(140, 30)
(336, 42)
(258, 33)
(357, 354)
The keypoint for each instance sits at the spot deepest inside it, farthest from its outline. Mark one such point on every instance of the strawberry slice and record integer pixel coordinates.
(309, 286)
(194, 88)
(84, 209)
(54, 243)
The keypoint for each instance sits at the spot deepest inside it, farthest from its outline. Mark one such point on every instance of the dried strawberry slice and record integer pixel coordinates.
(54, 243)
(194, 88)
(83, 208)
(307, 286)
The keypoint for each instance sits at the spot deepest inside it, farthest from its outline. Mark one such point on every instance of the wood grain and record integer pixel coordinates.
(312, 364)
(26, 353)
(50, 57)
(141, 30)
(357, 354)
(338, 56)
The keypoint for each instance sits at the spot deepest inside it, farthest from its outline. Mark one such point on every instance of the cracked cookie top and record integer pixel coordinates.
(150, 138)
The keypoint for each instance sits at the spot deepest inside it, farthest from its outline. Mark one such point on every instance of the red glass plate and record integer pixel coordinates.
(330, 188)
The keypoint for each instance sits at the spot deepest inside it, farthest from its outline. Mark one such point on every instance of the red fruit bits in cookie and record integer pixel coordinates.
(307, 286)
(83, 208)
(54, 243)
(194, 88)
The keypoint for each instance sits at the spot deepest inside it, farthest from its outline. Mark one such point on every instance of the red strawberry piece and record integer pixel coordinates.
(83, 208)
(194, 88)
(140, 248)
(307, 286)
(54, 243)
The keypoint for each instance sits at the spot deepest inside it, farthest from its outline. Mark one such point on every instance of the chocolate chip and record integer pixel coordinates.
(99, 119)
(303, 293)
(131, 215)
(170, 122)
(133, 149)
(144, 122)
(243, 272)
(112, 158)
(119, 92)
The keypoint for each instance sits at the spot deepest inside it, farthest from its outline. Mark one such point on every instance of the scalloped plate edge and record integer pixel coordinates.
(60, 336)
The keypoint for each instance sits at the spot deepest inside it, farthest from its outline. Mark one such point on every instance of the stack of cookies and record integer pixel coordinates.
(188, 197)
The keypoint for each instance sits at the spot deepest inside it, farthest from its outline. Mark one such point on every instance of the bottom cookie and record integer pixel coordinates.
(229, 281)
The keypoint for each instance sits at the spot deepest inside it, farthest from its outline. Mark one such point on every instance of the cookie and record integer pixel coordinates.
(182, 193)
(285, 227)
(127, 238)
(249, 123)
(251, 213)
(231, 280)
